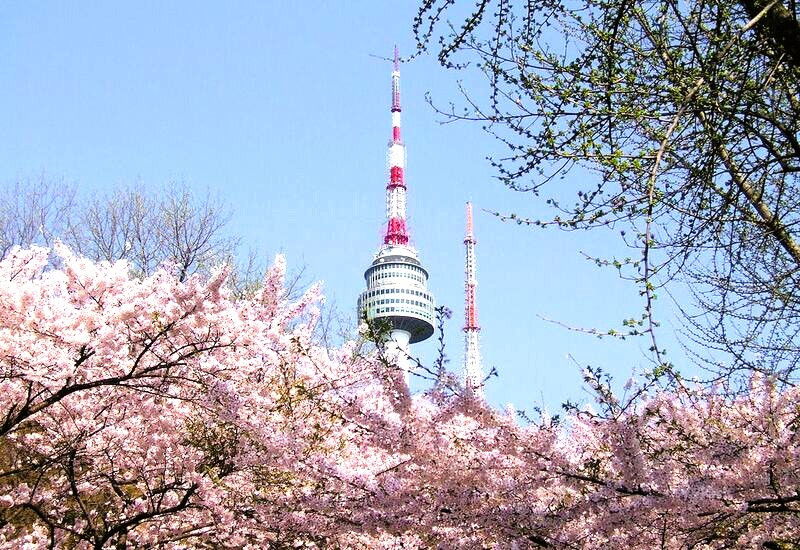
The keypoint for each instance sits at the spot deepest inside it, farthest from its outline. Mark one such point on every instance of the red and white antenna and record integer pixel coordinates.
(396, 232)
(473, 372)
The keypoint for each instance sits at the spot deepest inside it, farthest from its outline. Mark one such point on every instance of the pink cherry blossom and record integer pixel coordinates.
(154, 412)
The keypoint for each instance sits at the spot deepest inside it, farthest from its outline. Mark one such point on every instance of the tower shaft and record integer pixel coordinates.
(473, 375)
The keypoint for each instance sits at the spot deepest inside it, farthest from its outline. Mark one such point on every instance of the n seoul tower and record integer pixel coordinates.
(397, 283)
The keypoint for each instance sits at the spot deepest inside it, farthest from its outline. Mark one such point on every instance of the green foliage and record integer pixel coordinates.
(688, 115)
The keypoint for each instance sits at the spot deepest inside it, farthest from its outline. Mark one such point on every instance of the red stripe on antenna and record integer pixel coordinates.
(396, 232)
(396, 177)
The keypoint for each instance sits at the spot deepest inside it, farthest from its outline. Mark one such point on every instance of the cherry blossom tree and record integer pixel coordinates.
(149, 411)
(686, 468)
(160, 412)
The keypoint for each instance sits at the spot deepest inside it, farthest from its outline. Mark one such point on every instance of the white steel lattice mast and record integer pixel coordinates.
(397, 283)
(473, 372)
(396, 232)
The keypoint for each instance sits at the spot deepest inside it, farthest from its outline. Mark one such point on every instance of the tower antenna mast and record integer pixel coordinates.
(396, 232)
(473, 371)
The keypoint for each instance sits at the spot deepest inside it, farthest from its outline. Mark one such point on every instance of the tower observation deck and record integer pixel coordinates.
(397, 283)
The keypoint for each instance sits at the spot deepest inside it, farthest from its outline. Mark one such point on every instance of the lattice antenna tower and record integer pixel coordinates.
(473, 371)
(396, 231)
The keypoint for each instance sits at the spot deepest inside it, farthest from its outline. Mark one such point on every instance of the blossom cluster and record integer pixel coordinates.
(155, 412)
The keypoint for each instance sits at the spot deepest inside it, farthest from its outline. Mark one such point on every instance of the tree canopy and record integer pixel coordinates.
(688, 115)
(141, 412)
(144, 227)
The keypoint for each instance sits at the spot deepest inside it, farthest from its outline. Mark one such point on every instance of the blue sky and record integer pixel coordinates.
(280, 109)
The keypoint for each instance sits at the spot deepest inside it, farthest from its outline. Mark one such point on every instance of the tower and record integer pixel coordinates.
(397, 283)
(473, 375)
